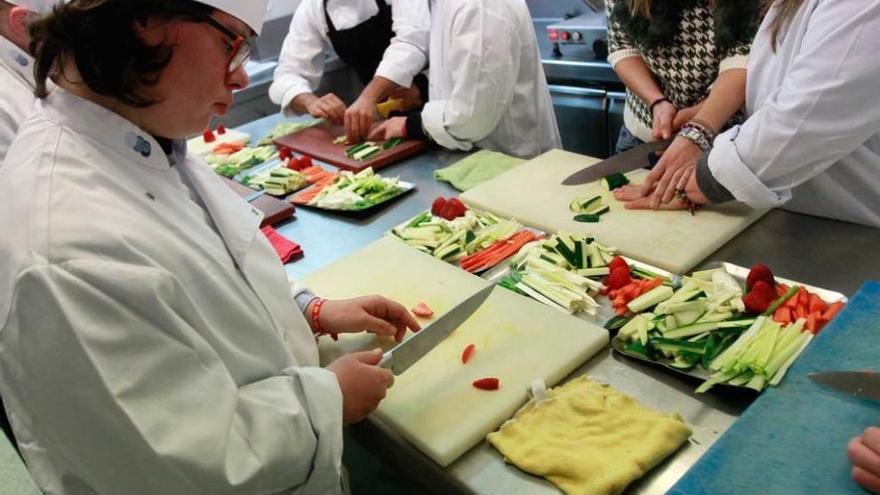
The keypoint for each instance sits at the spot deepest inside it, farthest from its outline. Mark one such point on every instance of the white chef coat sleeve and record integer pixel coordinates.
(825, 108)
(407, 54)
(301, 62)
(484, 62)
(128, 394)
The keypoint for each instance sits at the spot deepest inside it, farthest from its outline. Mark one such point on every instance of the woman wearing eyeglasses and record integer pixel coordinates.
(384, 41)
(149, 339)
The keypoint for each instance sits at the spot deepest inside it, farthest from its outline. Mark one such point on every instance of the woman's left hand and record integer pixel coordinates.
(631, 195)
(374, 314)
(669, 173)
(391, 128)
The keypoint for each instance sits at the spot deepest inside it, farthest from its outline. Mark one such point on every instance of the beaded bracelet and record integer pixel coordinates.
(697, 134)
(682, 196)
(315, 314)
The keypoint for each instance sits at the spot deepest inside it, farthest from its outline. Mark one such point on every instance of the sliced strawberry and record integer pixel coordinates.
(759, 298)
(487, 384)
(294, 163)
(448, 211)
(437, 205)
(618, 262)
(468, 352)
(209, 136)
(759, 272)
(305, 161)
(221, 130)
(284, 154)
(422, 310)
(619, 278)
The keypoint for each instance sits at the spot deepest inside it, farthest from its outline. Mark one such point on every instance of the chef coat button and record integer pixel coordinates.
(21, 60)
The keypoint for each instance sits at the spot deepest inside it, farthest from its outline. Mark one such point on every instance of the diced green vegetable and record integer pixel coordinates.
(613, 181)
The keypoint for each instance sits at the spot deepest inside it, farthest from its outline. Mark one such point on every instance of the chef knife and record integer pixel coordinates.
(637, 157)
(861, 384)
(407, 353)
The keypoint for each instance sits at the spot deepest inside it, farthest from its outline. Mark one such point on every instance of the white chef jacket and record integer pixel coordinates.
(487, 85)
(812, 139)
(16, 92)
(150, 343)
(301, 63)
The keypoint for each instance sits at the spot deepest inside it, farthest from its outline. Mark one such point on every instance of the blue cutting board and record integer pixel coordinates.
(792, 439)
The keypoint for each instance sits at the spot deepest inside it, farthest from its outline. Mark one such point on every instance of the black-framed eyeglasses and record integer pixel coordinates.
(240, 48)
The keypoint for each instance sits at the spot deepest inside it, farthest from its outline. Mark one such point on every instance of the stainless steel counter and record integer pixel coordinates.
(825, 253)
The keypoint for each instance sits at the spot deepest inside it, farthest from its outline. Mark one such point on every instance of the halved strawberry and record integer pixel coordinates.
(617, 262)
(422, 310)
(209, 136)
(618, 278)
(759, 298)
(305, 161)
(487, 384)
(760, 272)
(221, 130)
(437, 205)
(460, 208)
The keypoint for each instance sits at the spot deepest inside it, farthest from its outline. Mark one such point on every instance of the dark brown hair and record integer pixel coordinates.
(100, 38)
(785, 11)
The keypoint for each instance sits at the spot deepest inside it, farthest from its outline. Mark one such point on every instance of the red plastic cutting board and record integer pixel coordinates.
(317, 142)
(275, 210)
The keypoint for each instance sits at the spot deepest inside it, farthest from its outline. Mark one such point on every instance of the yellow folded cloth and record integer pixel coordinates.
(589, 439)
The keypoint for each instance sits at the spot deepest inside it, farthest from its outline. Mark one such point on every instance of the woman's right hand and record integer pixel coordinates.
(328, 107)
(664, 117)
(362, 382)
(864, 452)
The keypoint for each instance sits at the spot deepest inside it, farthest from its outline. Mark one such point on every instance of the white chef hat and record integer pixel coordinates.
(251, 12)
(38, 6)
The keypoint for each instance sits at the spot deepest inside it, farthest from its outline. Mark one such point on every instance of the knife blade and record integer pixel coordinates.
(254, 195)
(407, 353)
(861, 384)
(631, 159)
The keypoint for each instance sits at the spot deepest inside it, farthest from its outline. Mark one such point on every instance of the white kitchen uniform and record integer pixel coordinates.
(17, 93)
(812, 139)
(487, 85)
(149, 340)
(301, 63)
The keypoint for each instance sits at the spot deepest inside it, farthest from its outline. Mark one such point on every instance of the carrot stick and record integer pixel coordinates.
(832, 310)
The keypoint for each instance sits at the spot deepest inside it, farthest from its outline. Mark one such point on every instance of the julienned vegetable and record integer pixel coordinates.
(279, 181)
(588, 208)
(613, 181)
(356, 191)
(760, 356)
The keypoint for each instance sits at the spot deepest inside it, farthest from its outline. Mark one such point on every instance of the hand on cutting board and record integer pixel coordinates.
(672, 171)
(375, 314)
(328, 107)
(363, 384)
(358, 119)
(864, 452)
(391, 128)
(633, 200)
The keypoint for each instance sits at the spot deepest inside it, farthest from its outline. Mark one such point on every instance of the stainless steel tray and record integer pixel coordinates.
(739, 273)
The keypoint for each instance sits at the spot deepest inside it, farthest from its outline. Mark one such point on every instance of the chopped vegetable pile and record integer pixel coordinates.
(285, 128)
(350, 191)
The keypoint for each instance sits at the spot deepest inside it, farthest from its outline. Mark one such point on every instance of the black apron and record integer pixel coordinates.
(363, 46)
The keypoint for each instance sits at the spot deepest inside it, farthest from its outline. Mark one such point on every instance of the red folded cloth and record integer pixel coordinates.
(285, 248)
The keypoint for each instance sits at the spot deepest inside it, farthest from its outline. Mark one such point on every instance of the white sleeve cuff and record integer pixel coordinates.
(399, 75)
(288, 97)
(734, 62)
(432, 121)
(619, 55)
(733, 173)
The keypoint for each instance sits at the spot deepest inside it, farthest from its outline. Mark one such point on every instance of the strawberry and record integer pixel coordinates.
(209, 136)
(305, 161)
(468, 352)
(760, 272)
(437, 205)
(422, 310)
(221, 130)
(619, 278)
(487, 384)
(460, 208)
(448, 211)
(618, 262)
(759, 298)
(284, 154)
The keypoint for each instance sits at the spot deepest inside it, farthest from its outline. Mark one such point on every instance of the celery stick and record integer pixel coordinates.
(777, 376)
(779, 302)
(757, 383)
(742, 378)
(717, 378)
(737, 345)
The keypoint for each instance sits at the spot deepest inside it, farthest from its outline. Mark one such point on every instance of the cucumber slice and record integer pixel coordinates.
(586, 218)
(613, 181)
(585, 204)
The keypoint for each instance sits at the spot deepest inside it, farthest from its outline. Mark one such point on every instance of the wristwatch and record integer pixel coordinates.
(695, 136)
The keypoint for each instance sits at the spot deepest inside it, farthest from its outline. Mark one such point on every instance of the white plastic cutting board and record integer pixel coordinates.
(673, 240)
(517, 340)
